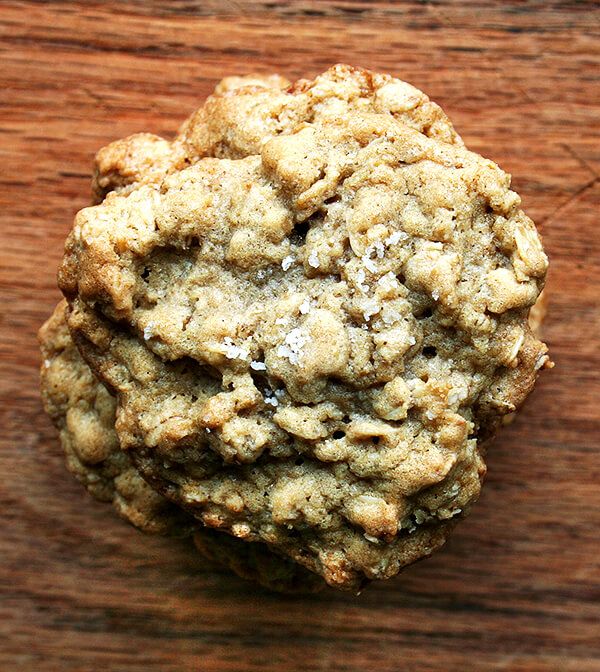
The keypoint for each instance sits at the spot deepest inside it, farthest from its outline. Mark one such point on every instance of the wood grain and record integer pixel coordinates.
(518, 586)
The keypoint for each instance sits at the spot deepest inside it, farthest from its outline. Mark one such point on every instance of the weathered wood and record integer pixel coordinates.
(518, 586)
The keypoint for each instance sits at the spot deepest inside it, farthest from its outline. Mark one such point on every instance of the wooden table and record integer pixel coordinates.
(518, 586)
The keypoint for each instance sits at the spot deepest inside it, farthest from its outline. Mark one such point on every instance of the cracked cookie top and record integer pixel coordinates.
(312, 319)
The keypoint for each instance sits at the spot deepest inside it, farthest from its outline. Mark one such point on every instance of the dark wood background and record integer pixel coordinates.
(518, 586)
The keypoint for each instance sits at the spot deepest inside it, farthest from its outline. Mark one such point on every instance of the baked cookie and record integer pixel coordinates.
(84, 413)
(311, 309)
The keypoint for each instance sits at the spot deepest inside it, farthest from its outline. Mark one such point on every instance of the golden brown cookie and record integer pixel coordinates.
(311, 309)
(84, 413)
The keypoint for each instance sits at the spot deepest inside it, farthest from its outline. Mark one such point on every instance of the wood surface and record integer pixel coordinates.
(517, 588)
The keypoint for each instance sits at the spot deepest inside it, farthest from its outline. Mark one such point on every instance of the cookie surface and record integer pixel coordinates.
(243, 112)
(84, 413)
(310, 328)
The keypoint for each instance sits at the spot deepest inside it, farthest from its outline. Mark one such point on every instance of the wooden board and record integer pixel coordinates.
(518, 586)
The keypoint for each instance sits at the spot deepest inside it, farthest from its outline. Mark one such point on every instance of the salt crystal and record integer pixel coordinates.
(272, 401)
(313, 259)
(457, 394)
(388, 281)
(360, 277)
(148, 333)
(390, 315)
(369, 264)
(232, 351)
(258, 366)
(412, 340)
(396, 237)
(292, 346)
(287, 262)
(379, 249)
(435, 294)
(371, 309)
(305, 307)
(371, 538)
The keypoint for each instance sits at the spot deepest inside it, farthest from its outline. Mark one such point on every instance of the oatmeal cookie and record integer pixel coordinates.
(312, 308)
(84, 413)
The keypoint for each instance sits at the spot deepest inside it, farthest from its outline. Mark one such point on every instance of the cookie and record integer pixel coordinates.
(311, 314)
(84, 413)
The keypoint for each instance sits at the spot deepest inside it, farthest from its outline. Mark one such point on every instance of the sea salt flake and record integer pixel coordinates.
(287, 262)
(396, 237)
(457, 394)
(388, 281)
(379, 249)
(371, 309)
(369, 264)
(272, 401)
(435, 294)
(412, 340)
(371, 538)
(258, 366)
(233, 351)
(313, 259)
(390, 315)
(291, 348)
(305, 307)
(281, 320)
(360, 278)
(148, 331)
